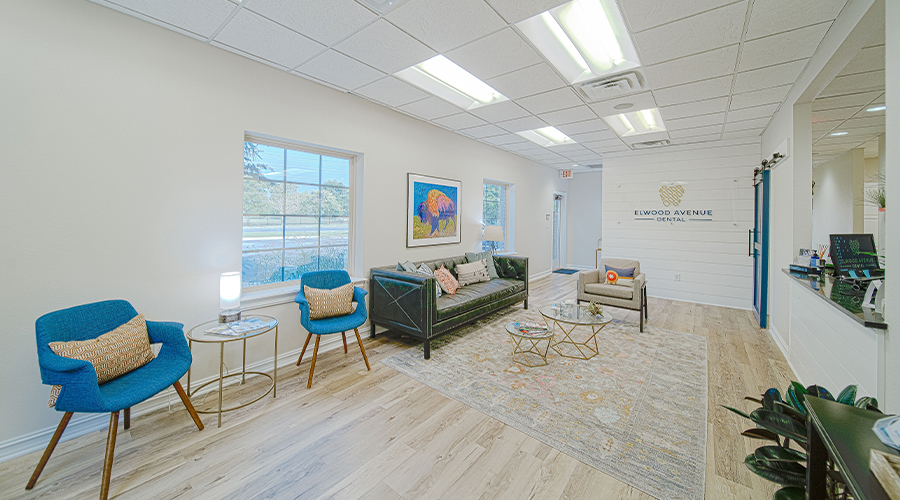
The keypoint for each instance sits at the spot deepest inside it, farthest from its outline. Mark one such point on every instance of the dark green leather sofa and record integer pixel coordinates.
(406, 302)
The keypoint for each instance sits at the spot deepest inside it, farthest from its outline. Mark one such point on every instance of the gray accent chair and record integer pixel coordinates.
(592, 288)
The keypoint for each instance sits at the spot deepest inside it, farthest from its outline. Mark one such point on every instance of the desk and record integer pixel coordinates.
(844, 434)
(198, 334)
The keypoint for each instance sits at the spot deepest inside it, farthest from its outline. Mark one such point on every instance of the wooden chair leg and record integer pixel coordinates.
(361, 348)
(344, 335)
(187, 404)
(127, 418)
(313, 367)
(110, 450)
(49, 451)
(304, 349)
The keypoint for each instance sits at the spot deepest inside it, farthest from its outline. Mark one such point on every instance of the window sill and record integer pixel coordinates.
(284, 294)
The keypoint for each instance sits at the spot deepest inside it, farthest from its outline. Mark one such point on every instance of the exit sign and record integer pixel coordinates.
(565, 174)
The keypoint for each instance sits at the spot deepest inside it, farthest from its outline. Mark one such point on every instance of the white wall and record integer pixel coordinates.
(892, 236)
(122, 150)
(711, 257)
(837, 202)
(585, 221)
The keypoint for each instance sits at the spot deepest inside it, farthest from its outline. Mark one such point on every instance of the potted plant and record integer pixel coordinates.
(876, 196)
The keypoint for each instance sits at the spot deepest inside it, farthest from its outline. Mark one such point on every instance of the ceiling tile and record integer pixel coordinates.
(740, 134)
(520, 124)
(523, 147)
(760, 97)
(569, 148)
(643, 100)
(768, 17)
(768, 77)
(696, 91)
(653, 136)
(494, 55)
(765, 111)
(693, 132)
(698, 138)
(747, 124)
(550, 101)
(864, 121)
(340, 70)
(845, 101)
(506, 110)
(695, 121)
(483, 131)
(709, 30)
(528, 81)
(784, 47)
(392, 92)
(688, 69)
(202, 17)
(869, 59)
(585, 127)
(514, 11)
(446, 25)
(858, 82)
(430, 108)
(563, 116)
(333, 21)
(645, 14)
(499, 140)
(704, 107)
(834, 114)
(461, 120)
(601, 144)
(384, 46)
(261, 37)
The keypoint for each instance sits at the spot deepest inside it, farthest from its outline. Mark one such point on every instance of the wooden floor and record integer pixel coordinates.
(379, 434)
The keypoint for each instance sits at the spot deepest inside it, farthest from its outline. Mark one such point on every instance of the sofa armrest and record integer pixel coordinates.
(639, 281)
(586, 277)
(403, 300)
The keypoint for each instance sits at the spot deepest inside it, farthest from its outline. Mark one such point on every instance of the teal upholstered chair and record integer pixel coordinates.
(328, 280)
(80, 390)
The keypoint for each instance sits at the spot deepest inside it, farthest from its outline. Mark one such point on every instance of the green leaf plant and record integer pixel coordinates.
(781, 421)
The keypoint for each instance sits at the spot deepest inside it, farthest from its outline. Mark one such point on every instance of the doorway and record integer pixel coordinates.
(558, 258)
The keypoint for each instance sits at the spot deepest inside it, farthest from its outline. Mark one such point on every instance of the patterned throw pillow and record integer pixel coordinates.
(327, 303)
(488, 259)
(113, 354)
(424, 269)
(472, 273)
(446, 279)
(626, 276)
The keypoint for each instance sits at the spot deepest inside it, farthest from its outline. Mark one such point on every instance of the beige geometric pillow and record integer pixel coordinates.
(473, 272)
(113, 354)
(325, 303)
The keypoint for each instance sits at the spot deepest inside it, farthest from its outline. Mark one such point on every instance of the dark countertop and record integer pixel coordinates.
(840, 295)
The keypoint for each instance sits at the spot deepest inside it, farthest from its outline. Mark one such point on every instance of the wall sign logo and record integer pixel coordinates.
(671, 195)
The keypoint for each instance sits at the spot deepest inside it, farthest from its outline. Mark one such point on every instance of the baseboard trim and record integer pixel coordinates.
(86, 423)
(538, 276)
(699, 302)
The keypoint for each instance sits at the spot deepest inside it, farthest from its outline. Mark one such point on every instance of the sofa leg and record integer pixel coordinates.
(646, 315)
(372, 332)
(641, 314)
(526, 303)
(427, 349)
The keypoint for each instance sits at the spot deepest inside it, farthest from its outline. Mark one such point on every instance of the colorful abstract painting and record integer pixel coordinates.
(432, 211)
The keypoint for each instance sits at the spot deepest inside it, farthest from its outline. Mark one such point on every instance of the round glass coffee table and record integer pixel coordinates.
(575, 329)
(520, 333)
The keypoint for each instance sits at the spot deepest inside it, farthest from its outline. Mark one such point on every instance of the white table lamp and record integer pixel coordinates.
(493, 234)
(230, 297)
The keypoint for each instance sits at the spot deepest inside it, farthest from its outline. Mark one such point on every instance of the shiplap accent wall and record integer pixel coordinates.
(711, 257)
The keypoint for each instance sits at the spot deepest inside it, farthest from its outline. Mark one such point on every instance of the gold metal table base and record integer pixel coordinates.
(520, 355)
(585, 349)
(243, 376)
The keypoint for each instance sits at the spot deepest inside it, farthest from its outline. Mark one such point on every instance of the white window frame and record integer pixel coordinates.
(509, 218)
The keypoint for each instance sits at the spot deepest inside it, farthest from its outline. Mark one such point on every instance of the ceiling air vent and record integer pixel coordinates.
(651, 144)
(614, 86)
(598, 166)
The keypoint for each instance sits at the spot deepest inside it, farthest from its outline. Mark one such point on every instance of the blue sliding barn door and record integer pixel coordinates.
(759, 248)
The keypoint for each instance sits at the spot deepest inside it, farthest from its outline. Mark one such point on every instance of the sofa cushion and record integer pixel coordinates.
(488, 260)
(620, 292)
(476, 295)
(474, 272)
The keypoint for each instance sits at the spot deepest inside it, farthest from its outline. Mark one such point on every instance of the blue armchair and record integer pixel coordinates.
(80, 390)
(318, 327)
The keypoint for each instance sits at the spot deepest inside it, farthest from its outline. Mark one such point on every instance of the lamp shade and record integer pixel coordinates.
(493, 233)
(230, 290)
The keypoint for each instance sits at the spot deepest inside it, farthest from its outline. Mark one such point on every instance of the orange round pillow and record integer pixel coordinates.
(612, 277)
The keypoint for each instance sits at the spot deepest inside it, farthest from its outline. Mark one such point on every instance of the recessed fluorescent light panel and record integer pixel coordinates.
(645, 121)
(583, 39)
(837, 134)
(546, 137)
(445, 79)
(877, 108)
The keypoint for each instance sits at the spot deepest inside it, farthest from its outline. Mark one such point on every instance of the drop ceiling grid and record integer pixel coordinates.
(690, 80)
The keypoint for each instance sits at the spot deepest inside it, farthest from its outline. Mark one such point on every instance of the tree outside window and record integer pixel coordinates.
(494, 212)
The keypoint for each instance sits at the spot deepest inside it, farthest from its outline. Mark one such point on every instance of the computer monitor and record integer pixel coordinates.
(854, 255)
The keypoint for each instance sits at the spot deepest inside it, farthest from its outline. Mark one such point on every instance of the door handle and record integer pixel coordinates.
(750, 241)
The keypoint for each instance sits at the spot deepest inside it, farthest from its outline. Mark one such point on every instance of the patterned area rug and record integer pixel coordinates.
(636, 411)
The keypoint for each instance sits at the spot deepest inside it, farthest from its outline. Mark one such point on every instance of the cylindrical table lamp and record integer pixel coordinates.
(230, 297)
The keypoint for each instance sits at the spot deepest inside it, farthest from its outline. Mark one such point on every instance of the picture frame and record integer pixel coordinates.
(432, 210)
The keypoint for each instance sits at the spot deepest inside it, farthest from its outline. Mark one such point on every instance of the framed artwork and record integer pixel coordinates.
(432, 214)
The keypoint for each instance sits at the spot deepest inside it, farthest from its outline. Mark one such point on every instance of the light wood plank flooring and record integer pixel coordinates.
(381, 435)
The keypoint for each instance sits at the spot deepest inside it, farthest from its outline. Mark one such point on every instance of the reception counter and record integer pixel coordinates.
(832, 341)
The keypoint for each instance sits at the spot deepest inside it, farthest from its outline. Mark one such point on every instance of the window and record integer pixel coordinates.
(495, 210)
(296, 212)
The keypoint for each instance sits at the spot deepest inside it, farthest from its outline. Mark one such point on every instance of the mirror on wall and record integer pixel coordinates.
(848, 125)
